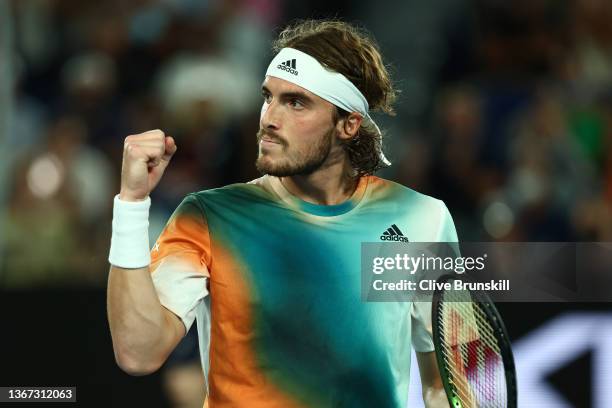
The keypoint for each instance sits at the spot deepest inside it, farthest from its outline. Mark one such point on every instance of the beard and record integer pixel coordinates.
(294, 163)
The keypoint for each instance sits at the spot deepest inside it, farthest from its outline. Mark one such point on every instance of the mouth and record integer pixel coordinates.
(265, 140)
(268, 141)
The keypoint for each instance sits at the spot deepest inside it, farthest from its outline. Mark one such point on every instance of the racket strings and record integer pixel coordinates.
(489, 363)
(471, 352)
(462, 390)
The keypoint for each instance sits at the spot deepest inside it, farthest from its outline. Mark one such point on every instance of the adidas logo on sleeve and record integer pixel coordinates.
(393, 234)
(288, 66)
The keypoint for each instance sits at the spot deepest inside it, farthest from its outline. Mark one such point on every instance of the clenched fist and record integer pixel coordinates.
(145, 158)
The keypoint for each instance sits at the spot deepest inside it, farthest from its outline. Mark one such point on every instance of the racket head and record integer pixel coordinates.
(474, 347)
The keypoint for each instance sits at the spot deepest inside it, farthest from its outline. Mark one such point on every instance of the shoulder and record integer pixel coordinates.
(383, 189)
(253, 190)
(424, 210)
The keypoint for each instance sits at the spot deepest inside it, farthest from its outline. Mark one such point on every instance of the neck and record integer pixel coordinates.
(325, 186)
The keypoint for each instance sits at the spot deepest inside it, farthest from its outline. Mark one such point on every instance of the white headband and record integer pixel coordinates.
(303, 70)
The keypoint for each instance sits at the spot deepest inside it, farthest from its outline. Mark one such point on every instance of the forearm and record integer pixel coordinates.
(140, 328)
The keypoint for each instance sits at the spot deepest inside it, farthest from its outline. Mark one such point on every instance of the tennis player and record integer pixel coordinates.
(270, 269)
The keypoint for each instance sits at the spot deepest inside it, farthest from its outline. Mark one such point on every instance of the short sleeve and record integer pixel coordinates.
(422, 334)
(180, 260)
(446, 229)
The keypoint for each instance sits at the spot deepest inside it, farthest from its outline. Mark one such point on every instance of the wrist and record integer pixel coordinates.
(130, 234)
(127, 196)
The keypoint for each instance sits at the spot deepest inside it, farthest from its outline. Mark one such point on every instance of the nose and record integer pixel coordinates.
(270, 116)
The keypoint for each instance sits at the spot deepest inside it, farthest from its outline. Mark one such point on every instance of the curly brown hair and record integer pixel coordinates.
(351, 51)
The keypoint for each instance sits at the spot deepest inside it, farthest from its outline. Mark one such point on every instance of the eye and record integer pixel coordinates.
(296, 103)
(267, 97)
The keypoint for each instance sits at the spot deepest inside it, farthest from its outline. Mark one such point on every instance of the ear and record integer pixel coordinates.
(349, 126)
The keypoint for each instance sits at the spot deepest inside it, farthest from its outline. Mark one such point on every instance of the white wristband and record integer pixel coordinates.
(130, 238)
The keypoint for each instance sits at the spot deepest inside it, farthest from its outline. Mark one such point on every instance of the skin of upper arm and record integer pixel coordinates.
(173, 332)
(434, 395)
(178, 330)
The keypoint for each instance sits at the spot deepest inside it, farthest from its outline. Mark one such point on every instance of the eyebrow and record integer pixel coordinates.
(291, 95)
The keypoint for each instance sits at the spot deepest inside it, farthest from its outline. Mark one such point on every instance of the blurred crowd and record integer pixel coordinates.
(505, 114)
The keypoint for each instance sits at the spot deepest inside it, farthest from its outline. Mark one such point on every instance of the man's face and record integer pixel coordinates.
(296, 130)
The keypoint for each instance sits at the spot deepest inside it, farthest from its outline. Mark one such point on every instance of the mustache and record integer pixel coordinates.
(270, 135)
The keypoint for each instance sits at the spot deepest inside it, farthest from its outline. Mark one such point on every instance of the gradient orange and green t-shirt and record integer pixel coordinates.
(275, 285)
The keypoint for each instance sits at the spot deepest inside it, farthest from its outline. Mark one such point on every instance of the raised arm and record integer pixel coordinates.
(144, 333)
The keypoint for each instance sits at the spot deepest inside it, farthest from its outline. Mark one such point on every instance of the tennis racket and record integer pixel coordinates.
(472, 348)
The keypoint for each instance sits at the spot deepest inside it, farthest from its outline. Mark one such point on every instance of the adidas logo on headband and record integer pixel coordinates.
(288, 66)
